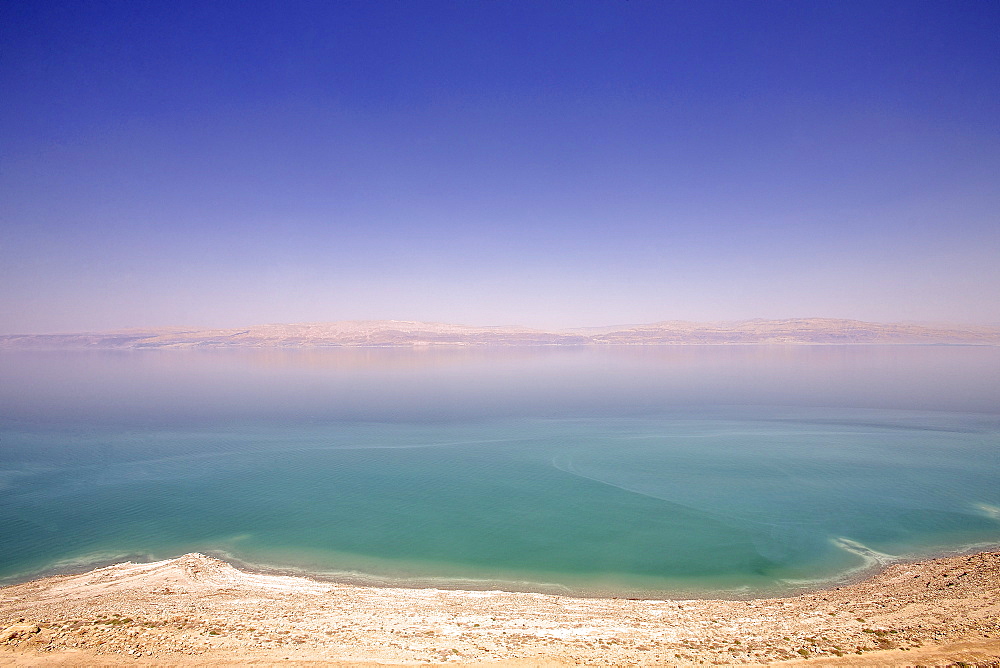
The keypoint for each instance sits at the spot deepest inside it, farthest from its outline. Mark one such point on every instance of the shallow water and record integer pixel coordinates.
(679, 470)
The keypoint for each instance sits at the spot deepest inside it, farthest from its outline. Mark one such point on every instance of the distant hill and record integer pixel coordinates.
(798, 330)
(384, 333)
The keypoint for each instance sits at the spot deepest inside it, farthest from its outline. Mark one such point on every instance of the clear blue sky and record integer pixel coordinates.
(489, 162)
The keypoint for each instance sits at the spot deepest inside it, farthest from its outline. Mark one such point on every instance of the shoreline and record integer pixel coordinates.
(852, 576)
(848, 577)
(196, 609)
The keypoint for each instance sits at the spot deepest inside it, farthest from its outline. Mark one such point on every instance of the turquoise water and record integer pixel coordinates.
(678, 471)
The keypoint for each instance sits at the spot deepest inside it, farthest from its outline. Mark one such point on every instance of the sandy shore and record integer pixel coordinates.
(196, 610)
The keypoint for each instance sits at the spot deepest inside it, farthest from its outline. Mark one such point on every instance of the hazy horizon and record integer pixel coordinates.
(547, 165)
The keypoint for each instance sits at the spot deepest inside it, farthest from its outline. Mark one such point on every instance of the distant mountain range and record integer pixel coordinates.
(384, 333)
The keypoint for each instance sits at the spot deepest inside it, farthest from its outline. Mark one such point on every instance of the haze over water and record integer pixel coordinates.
(680, 470)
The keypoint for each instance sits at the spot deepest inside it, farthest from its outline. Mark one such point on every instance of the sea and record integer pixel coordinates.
(638, 471)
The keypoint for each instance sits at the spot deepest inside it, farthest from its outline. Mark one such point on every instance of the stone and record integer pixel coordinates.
(18, 631)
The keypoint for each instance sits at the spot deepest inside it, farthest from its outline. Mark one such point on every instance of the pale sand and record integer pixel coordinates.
(196, 610)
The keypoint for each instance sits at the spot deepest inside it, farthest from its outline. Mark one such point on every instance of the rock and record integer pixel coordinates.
(18, 631)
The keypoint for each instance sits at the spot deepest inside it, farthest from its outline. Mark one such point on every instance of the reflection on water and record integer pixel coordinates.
(448, 383)
(680, 469)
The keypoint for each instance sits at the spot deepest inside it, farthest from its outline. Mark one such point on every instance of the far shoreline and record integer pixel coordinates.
(417, 334)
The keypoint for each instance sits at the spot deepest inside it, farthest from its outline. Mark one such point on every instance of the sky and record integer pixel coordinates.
(494, 162)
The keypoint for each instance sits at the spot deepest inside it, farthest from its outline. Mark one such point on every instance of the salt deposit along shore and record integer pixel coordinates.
(197, 610)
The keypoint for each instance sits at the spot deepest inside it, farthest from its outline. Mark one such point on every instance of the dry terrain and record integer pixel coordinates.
(197, 610)
(401, 333)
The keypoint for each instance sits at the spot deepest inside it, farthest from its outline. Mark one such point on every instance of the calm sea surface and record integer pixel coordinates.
(720, 470)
